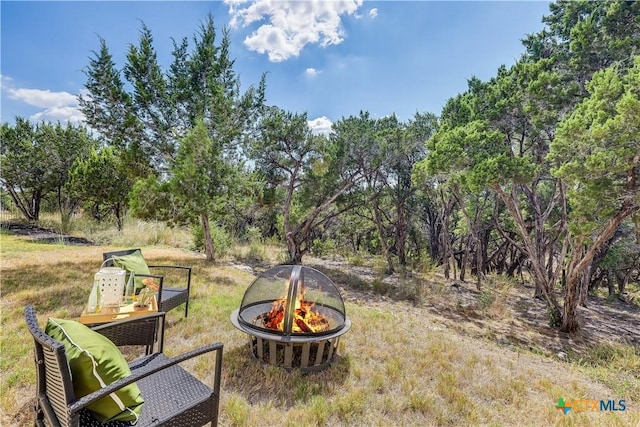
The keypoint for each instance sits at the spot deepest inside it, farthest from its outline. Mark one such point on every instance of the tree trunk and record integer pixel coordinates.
(463, 260)
(447, 252)
(294, 249)
(382, 234)
(208, 242)
(580, 263)
(584, 287)
(611, 282)
(622, 284)
(117, 211)
(570, 321)
(30, 208)
(535, 248)
(35, 210)
(445, 239)
(435, 228)
(66, 207)
(401, 236)
(479, 264)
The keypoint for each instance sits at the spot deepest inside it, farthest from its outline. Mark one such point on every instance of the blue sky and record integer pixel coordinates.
(330, 59)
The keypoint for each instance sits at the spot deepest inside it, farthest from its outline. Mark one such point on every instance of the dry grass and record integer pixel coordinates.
(398, 365)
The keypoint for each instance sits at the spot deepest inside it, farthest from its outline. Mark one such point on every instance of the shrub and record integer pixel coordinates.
(221, 240)
(323, 248)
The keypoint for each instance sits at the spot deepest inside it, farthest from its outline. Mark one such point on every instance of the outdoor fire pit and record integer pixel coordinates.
(294, 317)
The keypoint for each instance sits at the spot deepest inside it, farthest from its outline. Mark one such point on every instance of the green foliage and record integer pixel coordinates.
(311, 174)
(253, 235)
(473, 157)
(220, 238)
(201, 178)
(102, 183)
(487, 297)
(380, 287)
(622, 254)
(36, 160)
(152, 200)
(357, 259)
(237, 410)
(107, 106)
(553, 319)
(596, 149)
(324, 248)
(351, 406)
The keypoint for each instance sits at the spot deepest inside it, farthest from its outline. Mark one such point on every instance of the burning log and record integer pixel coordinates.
(303, 326)
(305, 318)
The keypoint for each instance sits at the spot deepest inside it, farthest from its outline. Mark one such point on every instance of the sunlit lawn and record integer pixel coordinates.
(395, 366)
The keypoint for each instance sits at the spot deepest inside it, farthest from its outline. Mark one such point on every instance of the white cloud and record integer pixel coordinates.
(321, 125)
(4, 80)
(291, 24)
(58, 106)
(311, 72)
(62, 114)
(42, 98)
(373, 13)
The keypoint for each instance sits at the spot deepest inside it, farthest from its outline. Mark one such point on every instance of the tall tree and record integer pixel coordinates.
(102, 182)
(106, 105)
(203, 181)
(386, 153)
(24, 162)
(597, 153)
(313, 172)
(581, 38)
(70, 143)
(525, 104)
(36, 160)
(199, 89)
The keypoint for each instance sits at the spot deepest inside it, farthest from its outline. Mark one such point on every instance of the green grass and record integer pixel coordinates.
(393, 367)
(616, 365)
(13, 246)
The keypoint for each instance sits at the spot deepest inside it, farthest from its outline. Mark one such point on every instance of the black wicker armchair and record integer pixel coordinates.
(169, 297)
(172, 396)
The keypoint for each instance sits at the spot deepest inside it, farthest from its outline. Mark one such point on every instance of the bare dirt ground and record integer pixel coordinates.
(42, 234)
(518, 320)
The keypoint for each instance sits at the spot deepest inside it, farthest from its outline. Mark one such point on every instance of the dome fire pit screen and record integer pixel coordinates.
(294, 317)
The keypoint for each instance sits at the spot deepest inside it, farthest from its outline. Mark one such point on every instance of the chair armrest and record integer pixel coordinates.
(145, 371)
(188, 270)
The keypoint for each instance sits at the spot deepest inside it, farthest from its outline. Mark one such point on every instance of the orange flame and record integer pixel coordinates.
(305, 319)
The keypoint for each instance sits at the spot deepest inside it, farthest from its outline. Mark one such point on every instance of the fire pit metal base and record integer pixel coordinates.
(307, 353)
(308, 357)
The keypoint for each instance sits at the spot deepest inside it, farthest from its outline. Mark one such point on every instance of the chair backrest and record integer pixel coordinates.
(107, 255)
(140, 331)
(54, 383)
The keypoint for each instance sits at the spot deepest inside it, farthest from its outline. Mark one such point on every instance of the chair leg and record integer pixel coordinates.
(39, 416)
(186, 309)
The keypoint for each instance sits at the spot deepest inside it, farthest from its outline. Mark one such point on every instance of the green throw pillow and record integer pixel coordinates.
(133, 263)
(96, 362)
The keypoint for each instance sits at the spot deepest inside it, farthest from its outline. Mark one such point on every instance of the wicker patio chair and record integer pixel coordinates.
(172, 396)
(169, 297)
